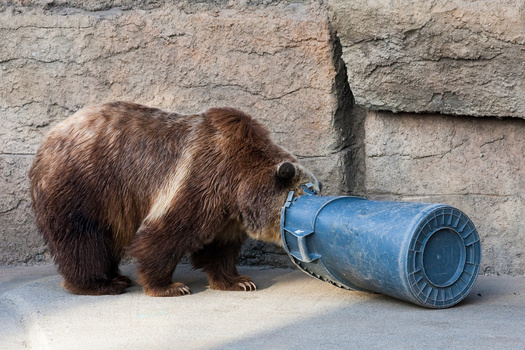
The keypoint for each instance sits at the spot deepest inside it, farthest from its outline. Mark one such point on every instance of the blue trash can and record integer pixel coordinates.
(427, 254)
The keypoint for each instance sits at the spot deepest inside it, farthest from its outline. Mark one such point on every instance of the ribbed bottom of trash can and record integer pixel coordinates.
(444, 257)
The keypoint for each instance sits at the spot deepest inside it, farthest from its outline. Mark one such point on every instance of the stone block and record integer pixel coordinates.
(453, 57)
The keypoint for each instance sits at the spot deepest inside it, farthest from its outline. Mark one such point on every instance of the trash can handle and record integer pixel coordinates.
(299, 234)
(303, 254)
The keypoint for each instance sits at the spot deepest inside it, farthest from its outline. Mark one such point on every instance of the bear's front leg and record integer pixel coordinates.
(158, 254)
(219, 259)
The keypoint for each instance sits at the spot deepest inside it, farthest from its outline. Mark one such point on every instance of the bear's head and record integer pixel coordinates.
(261, 173)
(260, 202)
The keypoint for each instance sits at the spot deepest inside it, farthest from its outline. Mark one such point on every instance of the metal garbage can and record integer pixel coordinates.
(427, 254)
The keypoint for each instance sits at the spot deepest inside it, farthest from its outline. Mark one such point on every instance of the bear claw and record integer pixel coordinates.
(185, 290)
(247, 286)
(239, 283)
(174, 290)
(244, 283)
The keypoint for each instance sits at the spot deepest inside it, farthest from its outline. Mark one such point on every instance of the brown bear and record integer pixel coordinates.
(125, 177)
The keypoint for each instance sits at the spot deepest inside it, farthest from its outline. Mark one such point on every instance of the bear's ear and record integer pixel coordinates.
(285, 171)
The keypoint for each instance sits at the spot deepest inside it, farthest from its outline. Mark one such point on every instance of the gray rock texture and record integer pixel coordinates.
(454, 57)
(19, 242)
(275, 61)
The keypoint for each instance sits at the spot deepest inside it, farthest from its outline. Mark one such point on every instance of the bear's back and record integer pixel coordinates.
(121, 163)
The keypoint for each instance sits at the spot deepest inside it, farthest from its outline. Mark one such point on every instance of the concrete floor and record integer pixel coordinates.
(291, 310)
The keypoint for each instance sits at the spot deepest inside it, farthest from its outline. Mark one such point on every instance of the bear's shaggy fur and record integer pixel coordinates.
(161, 185)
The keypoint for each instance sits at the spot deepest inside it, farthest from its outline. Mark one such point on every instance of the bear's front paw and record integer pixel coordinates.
(173, 290)
(239, 283)
(243, 283)
(246, 286)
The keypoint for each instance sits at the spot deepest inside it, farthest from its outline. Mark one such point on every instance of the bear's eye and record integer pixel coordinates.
(285, 171)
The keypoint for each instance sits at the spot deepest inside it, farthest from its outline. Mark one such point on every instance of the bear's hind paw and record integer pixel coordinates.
(122, 280)
(112, 287)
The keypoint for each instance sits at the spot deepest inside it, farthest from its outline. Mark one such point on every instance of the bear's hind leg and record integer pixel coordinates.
(94, 277)
(218, 259)
(88, 260)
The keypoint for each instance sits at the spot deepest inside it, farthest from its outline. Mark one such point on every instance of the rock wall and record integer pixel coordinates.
(296, 66)
(453, 57)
